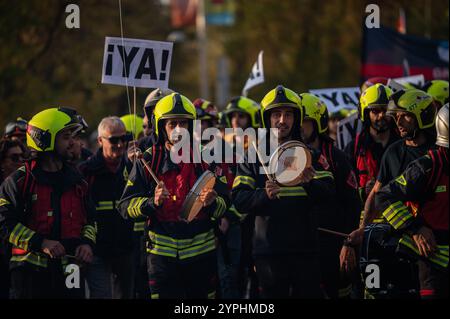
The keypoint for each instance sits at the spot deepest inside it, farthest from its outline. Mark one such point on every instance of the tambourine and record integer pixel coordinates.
(287, 163)
(192, 204)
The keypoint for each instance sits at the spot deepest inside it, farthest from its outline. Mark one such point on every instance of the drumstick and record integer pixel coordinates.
(150, 171)
(260, 160)
(333, 232)
(174, 198)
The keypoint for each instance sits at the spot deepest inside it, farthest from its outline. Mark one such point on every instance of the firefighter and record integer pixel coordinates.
(111, 274)
(342, 216)
(285, 243)
(425, 235)
(181, 256)
(438, 89)
(242, 113)
(45, 211)
(367, 149)
(134, 150)
(414, 112)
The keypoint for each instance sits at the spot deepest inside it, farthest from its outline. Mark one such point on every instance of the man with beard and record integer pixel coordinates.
(367, 149)
(414, 112)
(285, 243)
(45, 212)
(425, 235)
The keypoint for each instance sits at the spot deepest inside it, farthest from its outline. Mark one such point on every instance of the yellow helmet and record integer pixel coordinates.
(172, 106)
(245, 105)
(133, 124)
(316, 110)
(43, 128)
(416, 102)
(438, 89)
(281, 97)
(374, 96)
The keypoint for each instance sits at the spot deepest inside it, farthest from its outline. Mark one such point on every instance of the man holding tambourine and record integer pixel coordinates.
(283, 197)
(180, 200)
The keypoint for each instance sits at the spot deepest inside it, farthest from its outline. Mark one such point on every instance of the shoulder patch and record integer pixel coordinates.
(401, 180)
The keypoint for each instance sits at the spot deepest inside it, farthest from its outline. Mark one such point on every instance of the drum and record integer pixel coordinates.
(398, 275)
(288, 162)
(192, 204)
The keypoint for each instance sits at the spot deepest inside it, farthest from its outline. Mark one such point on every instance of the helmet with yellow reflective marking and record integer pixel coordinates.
(43, 128)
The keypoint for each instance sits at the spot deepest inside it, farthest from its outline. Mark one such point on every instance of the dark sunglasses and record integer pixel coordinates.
(116, 139)
(16, 158)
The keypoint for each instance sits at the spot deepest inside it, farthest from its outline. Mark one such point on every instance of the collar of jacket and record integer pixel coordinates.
(96, 164)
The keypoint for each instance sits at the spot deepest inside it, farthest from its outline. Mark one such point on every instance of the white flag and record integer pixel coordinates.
(256, 76)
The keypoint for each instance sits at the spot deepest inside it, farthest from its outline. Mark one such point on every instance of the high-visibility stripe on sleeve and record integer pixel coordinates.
(4, 202)
(440, 257)
(397, 214)
(139, 226)
(245, 180)
(134, 208)
(89, 232)
(323, 174)
(292, 191)
(21, 236)
(235, 212)
(105, 205)
(221, 207)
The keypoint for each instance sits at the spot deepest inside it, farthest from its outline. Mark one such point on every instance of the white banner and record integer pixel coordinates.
(134, 62)
(256, 76)
(338, 98)
(413, 79)
(347, 130)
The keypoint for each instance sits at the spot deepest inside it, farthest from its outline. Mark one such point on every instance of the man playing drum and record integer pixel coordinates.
(181, 255)
(285, 243)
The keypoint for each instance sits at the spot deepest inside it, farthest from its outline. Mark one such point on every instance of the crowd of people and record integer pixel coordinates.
(117, 209)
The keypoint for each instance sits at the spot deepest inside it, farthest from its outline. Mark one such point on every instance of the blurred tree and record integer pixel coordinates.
(307, 44)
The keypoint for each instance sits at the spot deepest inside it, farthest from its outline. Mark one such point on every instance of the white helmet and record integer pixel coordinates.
(442, 126)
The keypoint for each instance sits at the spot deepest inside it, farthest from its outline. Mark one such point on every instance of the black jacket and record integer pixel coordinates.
(287, 225)
(114, 234)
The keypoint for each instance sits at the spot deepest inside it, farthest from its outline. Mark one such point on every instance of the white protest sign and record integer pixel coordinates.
(256, 76)
(413, 79)
(139, 63)
(347, 130)
(338, 98)
(394, 85)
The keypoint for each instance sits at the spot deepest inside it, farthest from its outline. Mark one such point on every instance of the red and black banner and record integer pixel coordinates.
(386, 51)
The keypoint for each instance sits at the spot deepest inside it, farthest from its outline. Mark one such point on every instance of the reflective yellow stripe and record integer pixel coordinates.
(20, 236)
(246, 180)
(106, 205)
(89, 232)
(4, 202)
(233, 210)
(197, 250)
(440, 257)
(170, 242)
(292, 191)
(380, 220)
(139, 226)
(32, 258)
(323, 174)
(212, 295)
(163, 251)
(397, 214)
(134, 208)
(154, 296)
(221, 207)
